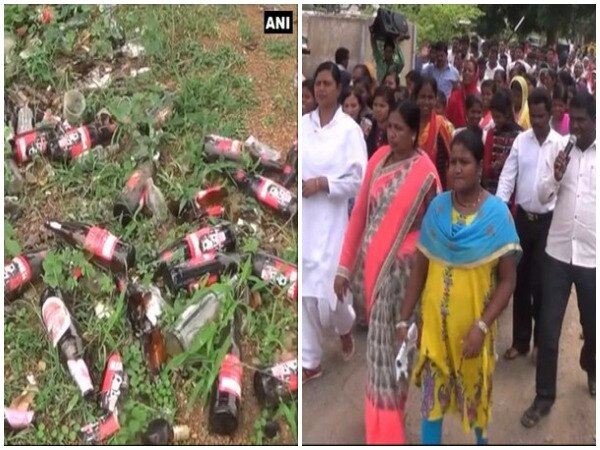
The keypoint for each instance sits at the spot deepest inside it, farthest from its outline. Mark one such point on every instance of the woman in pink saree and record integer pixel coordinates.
(376, 257)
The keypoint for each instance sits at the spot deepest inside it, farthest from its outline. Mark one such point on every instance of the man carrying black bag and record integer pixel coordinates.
(388, 28)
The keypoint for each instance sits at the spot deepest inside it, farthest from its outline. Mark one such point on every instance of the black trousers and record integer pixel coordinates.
(558, 277)
(532, 231)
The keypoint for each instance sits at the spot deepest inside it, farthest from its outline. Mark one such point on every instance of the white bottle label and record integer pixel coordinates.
(56, 317)
(81, 375)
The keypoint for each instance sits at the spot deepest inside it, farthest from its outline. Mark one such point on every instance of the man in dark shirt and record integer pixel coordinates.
(342, 58)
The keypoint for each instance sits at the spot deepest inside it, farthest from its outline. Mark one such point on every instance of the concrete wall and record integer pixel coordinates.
(327, 32)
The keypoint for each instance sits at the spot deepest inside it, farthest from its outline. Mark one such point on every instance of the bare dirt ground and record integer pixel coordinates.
(332, 406)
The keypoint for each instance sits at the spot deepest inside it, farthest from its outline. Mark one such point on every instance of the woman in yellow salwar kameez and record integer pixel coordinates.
(464, 272)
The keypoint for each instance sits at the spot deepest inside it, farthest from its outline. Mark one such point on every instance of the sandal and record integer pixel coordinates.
(512, 353)
(310, 374)
(532, 416)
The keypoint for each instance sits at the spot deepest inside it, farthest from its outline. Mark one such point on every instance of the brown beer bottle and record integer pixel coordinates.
(144, 307)
(227, 393)
(75, 142)
(276, 383)
(216, 147)
(211, 239)
(31, 143)
(268, 157)
(276, 272)
(188, 273)
(21, 270)
(290, 170)
(154, 349)
(269, 193)
(133, 195)
(63, 333)
(106, 249)
(206, 203)
(161, 432)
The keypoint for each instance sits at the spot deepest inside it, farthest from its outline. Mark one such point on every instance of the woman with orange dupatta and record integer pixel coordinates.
(456, 111)
(376, 257)
(435, 132)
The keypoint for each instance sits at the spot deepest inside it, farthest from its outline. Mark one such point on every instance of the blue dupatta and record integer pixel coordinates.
(492, 233)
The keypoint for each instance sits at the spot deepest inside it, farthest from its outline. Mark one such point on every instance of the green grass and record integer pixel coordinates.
(214, 95)
(281, 48)
(247, 34)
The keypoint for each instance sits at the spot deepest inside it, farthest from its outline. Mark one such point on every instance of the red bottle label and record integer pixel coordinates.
(101, 243)
(204, 241)
(273, 194)
(75, 141)
(29, 144)
(215, 211)
(56, 318)
(133, 180)
(97, 432)
(292, 292)
(113, 379)
(287, 372)
(108, 427)
(230, 375)
(281, 274)
(228, 146)
(81, 374)
(16, 274)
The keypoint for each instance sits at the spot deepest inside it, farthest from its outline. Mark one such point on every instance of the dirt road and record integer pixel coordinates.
(332, 406)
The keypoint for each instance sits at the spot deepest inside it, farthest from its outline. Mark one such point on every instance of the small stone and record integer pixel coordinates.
(255, 300)
(41, 366)
(271, 429)
(548, 439)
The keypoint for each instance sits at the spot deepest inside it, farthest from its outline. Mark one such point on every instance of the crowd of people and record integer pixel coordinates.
(437, 200)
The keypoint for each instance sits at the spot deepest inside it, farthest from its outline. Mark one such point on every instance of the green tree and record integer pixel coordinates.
(439, 22)
(553, 21)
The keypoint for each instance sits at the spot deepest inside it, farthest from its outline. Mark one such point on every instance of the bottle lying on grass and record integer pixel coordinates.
(20, 271)
(63, 333)
(107, 250)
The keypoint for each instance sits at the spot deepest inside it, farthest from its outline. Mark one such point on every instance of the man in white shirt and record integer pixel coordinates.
(521, 173)
(492, 65)
(570, 254)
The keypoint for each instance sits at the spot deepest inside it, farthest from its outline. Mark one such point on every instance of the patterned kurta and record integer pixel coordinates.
(452, 300)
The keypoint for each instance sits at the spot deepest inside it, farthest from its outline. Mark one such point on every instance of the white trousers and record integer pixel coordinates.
(317, 315)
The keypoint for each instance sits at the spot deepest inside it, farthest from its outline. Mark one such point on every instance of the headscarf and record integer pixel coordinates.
(523, 117)
(456, 112)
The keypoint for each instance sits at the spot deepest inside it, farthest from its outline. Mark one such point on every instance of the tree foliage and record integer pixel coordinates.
(553, 21)
(439, 22)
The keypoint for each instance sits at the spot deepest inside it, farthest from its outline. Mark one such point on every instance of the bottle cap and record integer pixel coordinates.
(181, 433)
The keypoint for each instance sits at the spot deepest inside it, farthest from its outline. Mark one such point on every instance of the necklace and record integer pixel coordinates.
(472, 205)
